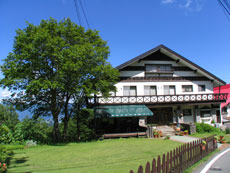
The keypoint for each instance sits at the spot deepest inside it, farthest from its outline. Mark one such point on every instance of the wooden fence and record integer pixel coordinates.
(181, 158)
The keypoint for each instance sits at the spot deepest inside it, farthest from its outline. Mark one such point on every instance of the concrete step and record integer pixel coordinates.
(166, 130)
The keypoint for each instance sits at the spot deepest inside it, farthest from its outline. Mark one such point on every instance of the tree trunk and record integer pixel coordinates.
(56, 131)
(65, 130)
(78, 124)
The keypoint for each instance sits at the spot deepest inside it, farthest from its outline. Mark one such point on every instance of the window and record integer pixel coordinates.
(129, 91)
(187, 112)
(150, 90)
(161, 68)
(201, 88)
(187, 88)
(205, 113)
(169, 90)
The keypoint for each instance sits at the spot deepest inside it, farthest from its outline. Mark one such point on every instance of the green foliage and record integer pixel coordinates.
(8, 116)
(37, 130)
(203, 142)
(6, 137)
(55, 63)
(81, 127)
(86, 125)
(6, 150)
(202, 128)
(227, 131)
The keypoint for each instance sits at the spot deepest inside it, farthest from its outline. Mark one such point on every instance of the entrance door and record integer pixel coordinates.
(162, 116)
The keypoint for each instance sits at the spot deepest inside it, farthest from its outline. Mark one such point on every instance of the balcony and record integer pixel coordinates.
(161, 99)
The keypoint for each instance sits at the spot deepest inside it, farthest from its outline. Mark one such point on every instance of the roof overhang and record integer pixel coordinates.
(178, 58)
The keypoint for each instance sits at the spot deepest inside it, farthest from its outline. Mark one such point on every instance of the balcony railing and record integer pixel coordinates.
(160, 99)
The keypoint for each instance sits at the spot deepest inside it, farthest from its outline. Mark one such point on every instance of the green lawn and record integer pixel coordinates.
(204, 135)
(117, 155)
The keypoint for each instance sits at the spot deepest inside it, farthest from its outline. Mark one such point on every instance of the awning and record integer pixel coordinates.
(123, 111)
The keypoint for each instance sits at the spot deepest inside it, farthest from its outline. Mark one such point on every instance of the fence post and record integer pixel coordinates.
(163, 164)
(154, 169)
(167, 163)
(180, 159)
(147, 167)
(158, 164)
(140, 169)
(170, 162)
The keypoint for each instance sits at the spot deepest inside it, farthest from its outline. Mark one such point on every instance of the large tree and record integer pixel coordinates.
(54, 66)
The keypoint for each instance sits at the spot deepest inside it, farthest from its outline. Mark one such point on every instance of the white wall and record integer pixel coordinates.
(160, 88)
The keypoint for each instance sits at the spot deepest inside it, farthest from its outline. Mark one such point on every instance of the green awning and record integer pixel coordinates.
(123, 111)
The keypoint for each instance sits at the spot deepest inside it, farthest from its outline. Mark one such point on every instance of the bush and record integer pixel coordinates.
(80, 127)
(227, 131)
(202, 128)
(37, 130)
(6, 150)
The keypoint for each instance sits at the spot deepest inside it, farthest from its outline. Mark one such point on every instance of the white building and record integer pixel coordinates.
(162, 87)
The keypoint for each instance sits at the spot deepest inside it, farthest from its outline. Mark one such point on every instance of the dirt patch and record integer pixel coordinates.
(223, 146)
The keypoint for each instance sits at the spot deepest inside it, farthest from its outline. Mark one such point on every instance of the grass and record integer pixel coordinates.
(197, 164)
(117, 155)
(204, 135)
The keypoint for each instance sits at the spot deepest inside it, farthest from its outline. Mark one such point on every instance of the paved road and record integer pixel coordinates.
(221, 165)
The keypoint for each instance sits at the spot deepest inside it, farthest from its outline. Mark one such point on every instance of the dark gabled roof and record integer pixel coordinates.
(162, 47)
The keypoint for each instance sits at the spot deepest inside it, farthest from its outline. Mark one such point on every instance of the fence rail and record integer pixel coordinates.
(156, 99)
(179, 159)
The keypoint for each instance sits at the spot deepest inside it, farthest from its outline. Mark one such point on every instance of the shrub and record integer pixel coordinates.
(37, 130)
(202, 128)
(3, 167)
(167, 137)
(227, 131)
(6, 150)
(203, 142)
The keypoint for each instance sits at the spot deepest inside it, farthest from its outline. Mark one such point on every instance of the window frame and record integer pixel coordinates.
(169, 89)
(150, 90)
(184, 89)
(130, 90)
(201, 88)
(158, 68)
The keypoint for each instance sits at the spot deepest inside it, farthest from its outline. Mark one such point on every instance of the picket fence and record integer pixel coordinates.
(181, 158)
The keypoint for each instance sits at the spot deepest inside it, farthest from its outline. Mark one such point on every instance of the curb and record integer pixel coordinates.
(203, 168)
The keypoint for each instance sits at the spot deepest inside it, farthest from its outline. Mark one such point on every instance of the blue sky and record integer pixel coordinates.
(196, 29)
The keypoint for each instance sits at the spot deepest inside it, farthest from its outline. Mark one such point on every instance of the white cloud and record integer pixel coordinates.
(190, 5)
(167, 1)
(5, 93)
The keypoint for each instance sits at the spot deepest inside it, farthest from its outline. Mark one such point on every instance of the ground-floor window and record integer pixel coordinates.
(205, 113)
(118, 125)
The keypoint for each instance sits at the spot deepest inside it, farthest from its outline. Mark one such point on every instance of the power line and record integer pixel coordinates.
(226, 12)
(78, 13)
(84, 14)
(225, 6)
(78, 7)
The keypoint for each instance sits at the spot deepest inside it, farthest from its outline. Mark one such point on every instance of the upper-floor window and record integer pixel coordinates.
(187, 88)
(159, 68)
(129, 90)
(201, 88)
(169, 90)
(150, 90)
